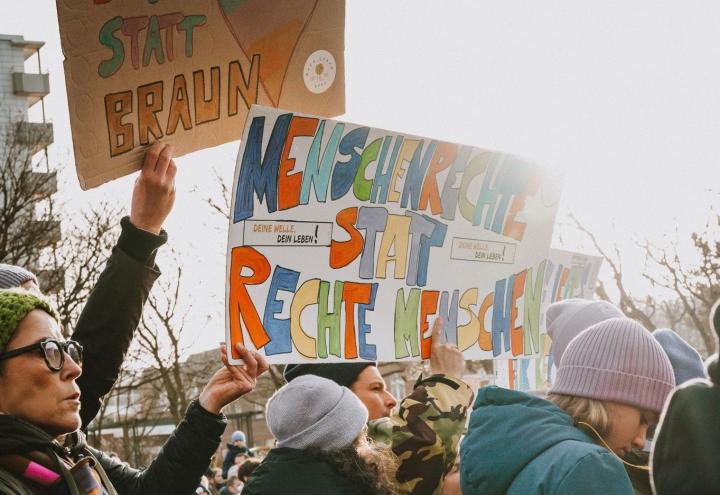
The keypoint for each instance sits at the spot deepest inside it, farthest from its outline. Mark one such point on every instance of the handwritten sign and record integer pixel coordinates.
(568, 275)
(187, 71)
(347, 241)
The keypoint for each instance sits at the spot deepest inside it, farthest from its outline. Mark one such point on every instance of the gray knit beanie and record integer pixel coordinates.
(312, 411)
(616, 360)
(564, 320)
(12, 276)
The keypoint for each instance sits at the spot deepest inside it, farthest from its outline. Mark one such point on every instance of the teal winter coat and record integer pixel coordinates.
(519, 444)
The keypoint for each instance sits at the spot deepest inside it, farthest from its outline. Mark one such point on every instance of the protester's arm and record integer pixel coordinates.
(181, 462)
(187, 453)
(113, 309)
(425, 431)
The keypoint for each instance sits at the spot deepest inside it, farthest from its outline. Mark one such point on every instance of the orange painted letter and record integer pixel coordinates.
(343, 252)
(353, 293)
(240, 303)
(442, 158)
(289, 184)
(428, 306)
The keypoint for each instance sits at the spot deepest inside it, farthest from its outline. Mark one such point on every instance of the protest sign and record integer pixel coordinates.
(186, 72)
(567, 275)
(347, 241)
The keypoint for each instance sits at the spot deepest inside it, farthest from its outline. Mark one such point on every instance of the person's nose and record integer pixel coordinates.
(390, 401)
(639, 440)
(70, 370)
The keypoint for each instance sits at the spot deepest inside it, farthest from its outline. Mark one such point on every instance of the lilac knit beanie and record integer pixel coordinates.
(564, 320)
(616, 360)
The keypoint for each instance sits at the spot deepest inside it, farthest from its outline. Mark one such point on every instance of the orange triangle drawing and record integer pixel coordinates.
(272, 29)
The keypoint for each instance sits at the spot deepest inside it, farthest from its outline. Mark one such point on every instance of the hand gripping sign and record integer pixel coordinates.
(187, 71)
(346, 242)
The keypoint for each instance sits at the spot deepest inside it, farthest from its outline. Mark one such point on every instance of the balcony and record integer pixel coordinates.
(29, 47)
(45, 184)
(31, 86)
(35, 135)
(48, 232)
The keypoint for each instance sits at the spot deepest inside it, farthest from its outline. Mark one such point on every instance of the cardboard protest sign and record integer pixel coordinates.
(567, 275)
(187, 71)
(347, 241)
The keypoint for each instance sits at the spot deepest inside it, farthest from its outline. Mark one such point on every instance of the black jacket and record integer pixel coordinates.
(112, 313)
(686, 450)
(287, 470)
(176, 470)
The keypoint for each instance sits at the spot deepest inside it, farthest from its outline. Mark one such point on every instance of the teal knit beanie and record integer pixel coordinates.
(14, 306)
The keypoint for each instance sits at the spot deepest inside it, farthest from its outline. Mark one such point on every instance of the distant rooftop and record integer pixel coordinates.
(29, 47)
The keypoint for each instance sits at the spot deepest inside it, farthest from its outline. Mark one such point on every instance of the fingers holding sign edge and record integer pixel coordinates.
(164, 159)
(254, 362)
(152, 155)
(437, 334)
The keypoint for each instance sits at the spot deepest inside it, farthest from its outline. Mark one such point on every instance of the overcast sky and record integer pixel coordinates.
(622, 96)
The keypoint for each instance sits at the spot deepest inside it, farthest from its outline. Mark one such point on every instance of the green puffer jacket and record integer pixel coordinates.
(519, 444)
(425, 431)
(176, 470)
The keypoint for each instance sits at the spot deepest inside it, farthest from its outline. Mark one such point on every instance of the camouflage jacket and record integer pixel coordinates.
(424, 432)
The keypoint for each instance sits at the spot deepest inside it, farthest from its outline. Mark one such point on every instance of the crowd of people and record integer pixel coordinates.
(628, 412)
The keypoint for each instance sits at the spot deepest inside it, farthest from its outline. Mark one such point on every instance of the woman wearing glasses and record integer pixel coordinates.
(41, 449)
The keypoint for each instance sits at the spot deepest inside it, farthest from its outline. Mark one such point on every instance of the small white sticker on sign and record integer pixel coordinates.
(287, 233)
(319, 71)
(483, 251)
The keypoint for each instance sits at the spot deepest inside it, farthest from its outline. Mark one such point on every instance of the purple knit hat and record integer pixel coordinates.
(565, 320)
(616, 360)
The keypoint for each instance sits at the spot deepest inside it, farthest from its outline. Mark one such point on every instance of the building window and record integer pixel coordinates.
(397, 386)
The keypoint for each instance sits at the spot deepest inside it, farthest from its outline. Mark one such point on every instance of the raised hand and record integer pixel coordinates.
(154, 192)
(445, 358)
(232, 381)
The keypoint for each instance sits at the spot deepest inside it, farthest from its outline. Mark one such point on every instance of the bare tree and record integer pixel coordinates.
(159, 338)
(695, 286)
(640, 310)
(79, 259)
(30, 229)
(24, 231)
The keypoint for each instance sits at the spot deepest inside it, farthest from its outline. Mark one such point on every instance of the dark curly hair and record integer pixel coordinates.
(370, 466)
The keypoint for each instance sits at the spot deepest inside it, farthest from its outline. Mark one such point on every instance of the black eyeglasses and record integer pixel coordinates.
(53, 352)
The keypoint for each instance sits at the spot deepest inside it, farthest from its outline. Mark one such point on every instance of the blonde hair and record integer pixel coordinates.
(582, 409)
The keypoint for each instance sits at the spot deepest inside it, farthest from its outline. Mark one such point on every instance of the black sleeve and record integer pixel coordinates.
(181, 462)
(112, 313)
(139, 244)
